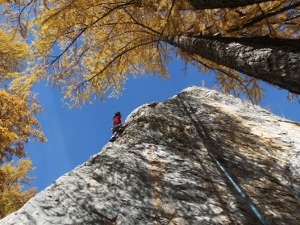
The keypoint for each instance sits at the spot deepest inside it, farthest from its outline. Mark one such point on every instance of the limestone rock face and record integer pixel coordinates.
(200, 157)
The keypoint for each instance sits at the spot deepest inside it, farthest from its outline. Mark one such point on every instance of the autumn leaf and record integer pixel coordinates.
(13, 181)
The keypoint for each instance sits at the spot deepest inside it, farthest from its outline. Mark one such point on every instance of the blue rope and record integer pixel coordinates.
(240, 191)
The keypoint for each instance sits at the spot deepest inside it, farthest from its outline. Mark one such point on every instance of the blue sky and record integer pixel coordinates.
(75, 135)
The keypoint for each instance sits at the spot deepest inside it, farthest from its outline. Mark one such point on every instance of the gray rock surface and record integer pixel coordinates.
(163, 169)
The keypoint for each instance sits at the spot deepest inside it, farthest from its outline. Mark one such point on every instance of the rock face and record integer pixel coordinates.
(200, 157)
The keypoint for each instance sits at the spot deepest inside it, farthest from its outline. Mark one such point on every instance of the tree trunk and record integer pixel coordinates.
(275, 61)
(213, 4)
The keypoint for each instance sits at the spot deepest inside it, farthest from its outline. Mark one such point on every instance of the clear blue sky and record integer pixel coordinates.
(74, 136)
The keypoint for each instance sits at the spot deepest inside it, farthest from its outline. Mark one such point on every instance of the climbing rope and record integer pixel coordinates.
(239, 190)
(259, 216)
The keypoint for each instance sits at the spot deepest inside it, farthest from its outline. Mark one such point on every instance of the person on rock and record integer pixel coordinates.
(117, 123)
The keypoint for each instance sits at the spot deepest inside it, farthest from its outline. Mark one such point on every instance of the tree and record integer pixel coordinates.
(276, 61)
(12, 55)
(12, 180)
(17, 111)
(17, 125)
(17, 122)
(97, 44)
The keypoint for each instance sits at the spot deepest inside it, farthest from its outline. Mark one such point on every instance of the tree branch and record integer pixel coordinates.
(114, 59)
(216, 4)
(263, 16)
(84, 29)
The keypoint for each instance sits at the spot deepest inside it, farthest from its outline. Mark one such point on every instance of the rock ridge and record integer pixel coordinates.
(162, 169)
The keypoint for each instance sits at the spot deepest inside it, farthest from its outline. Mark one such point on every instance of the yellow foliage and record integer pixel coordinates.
(13, 179)
(17, 124)
(88, 48)
(12, 55)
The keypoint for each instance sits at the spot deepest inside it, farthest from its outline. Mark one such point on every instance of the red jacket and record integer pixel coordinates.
(117, 120)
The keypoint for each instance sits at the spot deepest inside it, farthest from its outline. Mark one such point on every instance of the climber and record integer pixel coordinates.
(117, 123)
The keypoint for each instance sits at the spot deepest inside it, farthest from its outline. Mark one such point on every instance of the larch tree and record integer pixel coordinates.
(12, 180)
(12, 55)
(276, 61)
(88, 48)
(17, 124)
(17, 112)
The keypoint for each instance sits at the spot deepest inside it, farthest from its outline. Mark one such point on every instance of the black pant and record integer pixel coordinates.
(116, 128)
